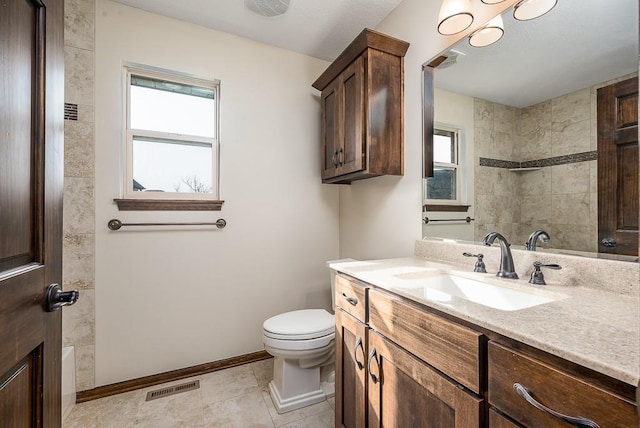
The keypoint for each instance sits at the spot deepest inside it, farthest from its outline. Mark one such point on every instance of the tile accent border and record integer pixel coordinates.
(540, 163)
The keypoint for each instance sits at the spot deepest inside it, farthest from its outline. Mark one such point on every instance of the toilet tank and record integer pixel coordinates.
(333, 273)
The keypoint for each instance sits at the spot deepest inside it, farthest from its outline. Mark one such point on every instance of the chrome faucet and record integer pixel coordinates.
(507, 269)
(530, 245)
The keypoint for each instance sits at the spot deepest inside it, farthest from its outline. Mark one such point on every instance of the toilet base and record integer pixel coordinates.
(294, 387)
(284, 405)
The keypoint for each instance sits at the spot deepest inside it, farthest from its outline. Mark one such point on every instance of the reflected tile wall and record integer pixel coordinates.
(78, 260)
(495, 131)
(561, 199)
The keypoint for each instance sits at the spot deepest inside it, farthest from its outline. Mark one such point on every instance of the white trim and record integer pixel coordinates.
(456, 166)
(129, 134)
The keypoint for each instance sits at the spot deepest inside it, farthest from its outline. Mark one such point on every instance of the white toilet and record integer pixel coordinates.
(303, 344)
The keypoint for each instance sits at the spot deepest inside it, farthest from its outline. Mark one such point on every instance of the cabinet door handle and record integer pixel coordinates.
(340, 157)
(352, 300)
(355, 352)
(372, 356)
(334, 159)
(524, 392)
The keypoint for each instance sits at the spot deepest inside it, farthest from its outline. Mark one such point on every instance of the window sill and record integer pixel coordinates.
(168, 205)
(447, 208)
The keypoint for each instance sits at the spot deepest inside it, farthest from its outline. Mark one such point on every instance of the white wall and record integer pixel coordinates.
(457, 111)
(381, 217)
(168, 298)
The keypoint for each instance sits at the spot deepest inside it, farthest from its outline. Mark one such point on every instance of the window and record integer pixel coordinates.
(171, 138)
(444, 186)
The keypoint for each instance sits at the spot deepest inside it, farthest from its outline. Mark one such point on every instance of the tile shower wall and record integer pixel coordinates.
(561, 199)
(495, 130)
(78, 326)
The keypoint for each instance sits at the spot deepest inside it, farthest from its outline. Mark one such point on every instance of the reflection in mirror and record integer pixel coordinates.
(533, 128)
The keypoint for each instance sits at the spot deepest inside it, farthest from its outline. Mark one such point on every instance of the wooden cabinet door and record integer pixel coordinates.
(405, 392)
(31, 180)
(351, 155)
(351, 354)
(330, 125)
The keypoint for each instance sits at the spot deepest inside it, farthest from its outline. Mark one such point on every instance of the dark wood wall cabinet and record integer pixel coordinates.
(401, 364)
(363, 110)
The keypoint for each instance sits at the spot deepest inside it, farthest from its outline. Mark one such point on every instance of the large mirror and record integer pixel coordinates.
(515, 139)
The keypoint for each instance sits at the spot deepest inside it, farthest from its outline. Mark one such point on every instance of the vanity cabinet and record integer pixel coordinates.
(562, 394)
(362, 110)
(381, 377)
(351, 353)
(351, 373)
(401, 364)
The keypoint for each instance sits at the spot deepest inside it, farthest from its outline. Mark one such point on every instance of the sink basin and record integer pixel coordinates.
(441, 288)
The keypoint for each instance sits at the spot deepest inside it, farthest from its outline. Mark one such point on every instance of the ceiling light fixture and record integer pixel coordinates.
(530, 9)
(488, 34)
(267, 8)
(455, 16)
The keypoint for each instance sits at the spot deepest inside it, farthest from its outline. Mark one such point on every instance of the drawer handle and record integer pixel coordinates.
(524, 392)
(352, 300)
(372, 356)
(355, 352)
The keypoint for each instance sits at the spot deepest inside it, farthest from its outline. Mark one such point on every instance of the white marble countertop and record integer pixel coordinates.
(596, 329)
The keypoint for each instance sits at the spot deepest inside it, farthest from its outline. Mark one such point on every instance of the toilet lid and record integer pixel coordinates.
(303, 324)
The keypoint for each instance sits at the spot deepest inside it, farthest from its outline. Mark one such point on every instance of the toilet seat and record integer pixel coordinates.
(304, 324)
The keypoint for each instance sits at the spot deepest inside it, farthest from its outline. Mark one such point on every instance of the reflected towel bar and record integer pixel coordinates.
(467, 219)
(115, 224)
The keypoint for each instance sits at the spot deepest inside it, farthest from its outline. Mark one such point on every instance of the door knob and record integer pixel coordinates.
(608, 242)
(55, 298)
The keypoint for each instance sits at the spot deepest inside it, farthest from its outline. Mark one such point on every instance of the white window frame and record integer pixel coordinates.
(456, 166)
(129, 134)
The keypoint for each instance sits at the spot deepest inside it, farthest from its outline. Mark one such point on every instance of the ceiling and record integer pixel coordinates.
(577, 44)
(321, 29)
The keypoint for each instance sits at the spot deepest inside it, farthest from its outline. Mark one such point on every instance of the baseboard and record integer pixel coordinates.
(144, 382)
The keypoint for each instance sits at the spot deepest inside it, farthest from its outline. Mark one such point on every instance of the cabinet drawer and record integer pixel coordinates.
(351, 297)
(445, 345)
(562, 392)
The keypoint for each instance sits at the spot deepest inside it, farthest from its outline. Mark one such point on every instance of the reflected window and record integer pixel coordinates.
(172, 136)
(444, 185)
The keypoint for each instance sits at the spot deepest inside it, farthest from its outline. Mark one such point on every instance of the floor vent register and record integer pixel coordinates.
(172, 390)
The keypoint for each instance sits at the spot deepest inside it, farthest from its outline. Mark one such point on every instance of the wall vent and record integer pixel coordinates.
(70, 111)
(172, 390)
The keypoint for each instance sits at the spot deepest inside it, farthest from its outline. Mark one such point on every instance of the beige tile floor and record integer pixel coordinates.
(234, 397)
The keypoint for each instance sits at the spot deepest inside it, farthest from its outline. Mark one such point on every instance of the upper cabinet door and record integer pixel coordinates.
(351, 156)
(330, 129)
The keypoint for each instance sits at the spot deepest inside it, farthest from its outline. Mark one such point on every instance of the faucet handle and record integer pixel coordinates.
(537, 277)
(479, 267)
